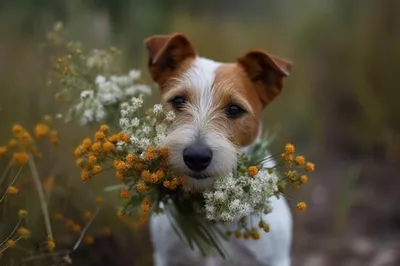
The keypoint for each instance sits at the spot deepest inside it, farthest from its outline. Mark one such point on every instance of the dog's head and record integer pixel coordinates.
(218, 106)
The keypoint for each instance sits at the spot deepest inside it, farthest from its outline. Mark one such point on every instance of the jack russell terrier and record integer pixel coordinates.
(218, 110)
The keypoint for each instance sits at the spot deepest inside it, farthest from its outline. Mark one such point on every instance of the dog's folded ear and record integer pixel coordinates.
(266, 71)
(166, 53)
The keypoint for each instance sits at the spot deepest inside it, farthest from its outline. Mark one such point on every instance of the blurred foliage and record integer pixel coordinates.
(340, 102)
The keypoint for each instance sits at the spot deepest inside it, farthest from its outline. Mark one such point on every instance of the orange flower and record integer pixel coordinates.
(10, 243)
(303, 179)
(17, 129)
(160, 174)
(99, 200)
(290, 148)
(300, 160)
(107, 231)
(150, 153)
(124, 137)
(131, 158)
(120, 214)
(86, 144)
(92, 159)
(12, 190)
(20, 158)
(141, 187)
(96, 147)
(139, 166)
(48, 183)
(41, 130)
(76, 228)
(108, 146)
(87, 215)
(96, 169)
(124, 194)
(58, 216)
(310, 167)
(22, 213)
(163, 151)
(252, 171)
(50, 244)
(270, 170)
(88, 240)
(3, 150)
(113, 138)
(119, 175)
(104, 128)
(301, 206)
(85, 175)
(23, 232)
(99, 135)
(12, 143)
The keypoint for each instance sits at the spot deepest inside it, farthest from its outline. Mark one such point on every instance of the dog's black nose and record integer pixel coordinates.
(197, 157)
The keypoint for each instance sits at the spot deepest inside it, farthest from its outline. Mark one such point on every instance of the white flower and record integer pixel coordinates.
(135, 122)
(219, 196)
(100, 80)
(134, 74)
(143, 89)
(158, 109)
(170, 116)
(146, 130)
(88, 94)
(225, 216)
(124, 122)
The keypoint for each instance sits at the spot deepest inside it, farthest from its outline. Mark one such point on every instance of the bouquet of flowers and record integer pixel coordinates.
(129, 141)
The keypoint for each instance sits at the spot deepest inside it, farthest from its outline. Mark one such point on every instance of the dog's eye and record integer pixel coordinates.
(234, 111)
(178, 102)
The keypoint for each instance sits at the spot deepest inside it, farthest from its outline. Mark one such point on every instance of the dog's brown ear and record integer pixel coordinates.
(266, 71)
(166, 53)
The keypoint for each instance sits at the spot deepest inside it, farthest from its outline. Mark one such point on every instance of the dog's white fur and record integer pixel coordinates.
(273, 249)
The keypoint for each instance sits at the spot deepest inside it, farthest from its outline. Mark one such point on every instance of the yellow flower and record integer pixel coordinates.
(87, 215)
(255, 235)
(88, 240)
(41, 130)
(23, 232)
(104, 128)
(288, 157)
(50, 244)
(20, 158)
(301, 206)
(80, 162)
(119, 175)
(99, 135)
(310, 167)
(124, 194)
(300, 160)
(3, 150)
(22, 213)
(108, 146)
(143, 218)
(12, 190)
(85, 175)
(290, 148)
(246, 235)
(86, 144)
(270, 170)
(69, 223)
(252, 171)
(303, 179)
(10, 243)
(160, 174)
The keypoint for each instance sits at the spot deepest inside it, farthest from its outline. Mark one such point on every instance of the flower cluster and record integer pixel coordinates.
(96, 103)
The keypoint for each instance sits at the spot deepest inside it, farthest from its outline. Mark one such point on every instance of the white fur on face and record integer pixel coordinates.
(200, 122)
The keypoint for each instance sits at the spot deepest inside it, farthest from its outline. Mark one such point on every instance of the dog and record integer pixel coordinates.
(218, 109)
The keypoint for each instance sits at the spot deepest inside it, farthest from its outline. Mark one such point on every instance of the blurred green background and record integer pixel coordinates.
(340, 105)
